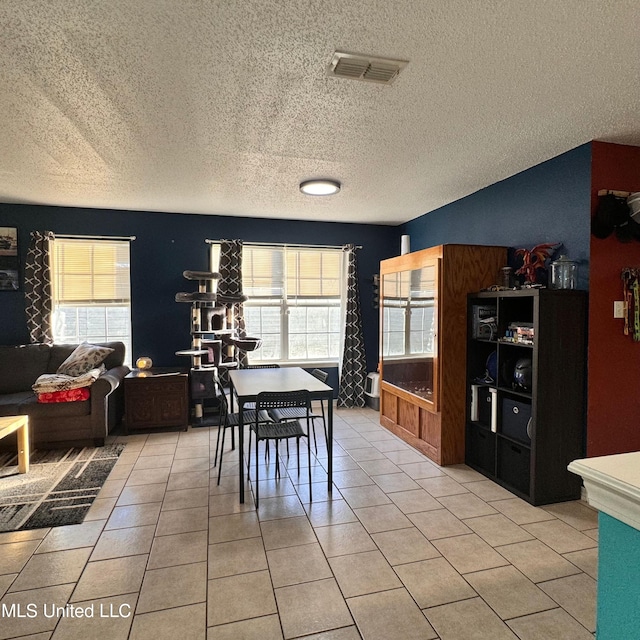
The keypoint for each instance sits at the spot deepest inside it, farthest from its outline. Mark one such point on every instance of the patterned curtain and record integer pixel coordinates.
(230, 288)
(353, 364)
(37, 288)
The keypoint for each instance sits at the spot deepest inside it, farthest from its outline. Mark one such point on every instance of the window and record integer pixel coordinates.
(294, 304)
(91, 291)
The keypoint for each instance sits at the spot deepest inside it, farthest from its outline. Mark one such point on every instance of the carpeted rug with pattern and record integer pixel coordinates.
(59, 489)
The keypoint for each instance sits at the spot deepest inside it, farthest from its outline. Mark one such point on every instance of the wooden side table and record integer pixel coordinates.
(21, 425)
(156, 398)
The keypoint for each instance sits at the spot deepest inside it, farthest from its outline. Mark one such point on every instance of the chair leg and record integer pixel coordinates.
(298, 453)
(257, 474)
(315, 443)
(277, 459)
(224, 431)
(222, 425)
(220, 430)
(309, 458)
(249, 461)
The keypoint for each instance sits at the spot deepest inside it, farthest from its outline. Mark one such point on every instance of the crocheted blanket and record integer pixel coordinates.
(50, 382)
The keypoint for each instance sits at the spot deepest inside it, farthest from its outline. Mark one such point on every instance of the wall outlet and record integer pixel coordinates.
(618, 309)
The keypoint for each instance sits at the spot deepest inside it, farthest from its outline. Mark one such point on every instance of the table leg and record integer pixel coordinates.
(231, 394)
(23, 447)
(330, 442)
(241, 448)
(240, 438)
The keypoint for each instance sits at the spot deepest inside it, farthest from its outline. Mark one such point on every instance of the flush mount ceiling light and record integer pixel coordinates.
(320, 187)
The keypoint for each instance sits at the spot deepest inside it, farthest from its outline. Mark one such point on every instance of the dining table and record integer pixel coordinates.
(246, 384)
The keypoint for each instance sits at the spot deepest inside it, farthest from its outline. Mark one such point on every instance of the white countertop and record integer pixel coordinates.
(613, 485)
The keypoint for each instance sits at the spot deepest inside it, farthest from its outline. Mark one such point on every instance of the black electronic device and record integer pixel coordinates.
(522, 374)
(485, 326)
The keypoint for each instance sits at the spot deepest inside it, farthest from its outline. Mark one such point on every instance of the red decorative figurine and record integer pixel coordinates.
(533, 259)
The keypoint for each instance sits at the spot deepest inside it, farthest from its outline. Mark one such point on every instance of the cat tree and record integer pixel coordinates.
(215, 340)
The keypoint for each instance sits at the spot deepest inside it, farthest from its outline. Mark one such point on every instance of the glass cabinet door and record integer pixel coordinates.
(409, 331)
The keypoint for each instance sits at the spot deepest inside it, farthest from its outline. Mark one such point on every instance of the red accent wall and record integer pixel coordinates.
(613, 423)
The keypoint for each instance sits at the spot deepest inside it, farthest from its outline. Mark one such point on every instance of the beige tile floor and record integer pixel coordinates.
(403, 549)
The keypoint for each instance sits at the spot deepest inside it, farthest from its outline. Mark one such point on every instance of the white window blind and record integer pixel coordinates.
(294, 273)
(91, 291)
(91, 271)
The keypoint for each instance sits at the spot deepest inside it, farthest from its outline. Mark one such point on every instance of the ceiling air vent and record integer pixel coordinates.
(355, 66)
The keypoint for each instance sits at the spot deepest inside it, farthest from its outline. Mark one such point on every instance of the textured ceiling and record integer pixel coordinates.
(223, 107)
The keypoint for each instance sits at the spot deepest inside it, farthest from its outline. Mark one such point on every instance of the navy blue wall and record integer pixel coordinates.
(546, 203)
(166, 244)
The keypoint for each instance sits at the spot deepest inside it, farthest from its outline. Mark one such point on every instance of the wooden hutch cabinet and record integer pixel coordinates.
(423, 341)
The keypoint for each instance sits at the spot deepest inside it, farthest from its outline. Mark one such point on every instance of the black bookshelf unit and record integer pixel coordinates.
(526, 381)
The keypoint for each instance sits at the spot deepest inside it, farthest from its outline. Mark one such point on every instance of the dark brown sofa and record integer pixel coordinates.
(52, 425)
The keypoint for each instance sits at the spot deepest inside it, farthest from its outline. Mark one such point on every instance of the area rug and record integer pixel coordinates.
(59, 489)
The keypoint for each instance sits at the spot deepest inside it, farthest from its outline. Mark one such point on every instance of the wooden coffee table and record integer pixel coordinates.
(21, 425)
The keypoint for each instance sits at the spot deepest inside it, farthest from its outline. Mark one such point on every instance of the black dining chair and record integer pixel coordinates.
(231, 421)
(252, 405)
(262, 366)
(282, 414)
(277, 431)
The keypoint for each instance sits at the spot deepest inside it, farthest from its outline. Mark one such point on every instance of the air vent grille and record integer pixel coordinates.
(355, 66)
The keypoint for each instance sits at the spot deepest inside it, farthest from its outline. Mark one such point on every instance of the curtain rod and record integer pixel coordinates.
(77, 237)
(286, 244)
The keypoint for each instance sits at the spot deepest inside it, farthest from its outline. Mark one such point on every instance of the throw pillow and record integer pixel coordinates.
(83, 358)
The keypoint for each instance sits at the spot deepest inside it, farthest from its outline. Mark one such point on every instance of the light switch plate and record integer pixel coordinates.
(618, 309)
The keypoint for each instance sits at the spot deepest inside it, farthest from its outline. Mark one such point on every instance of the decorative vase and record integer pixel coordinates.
(563, 273)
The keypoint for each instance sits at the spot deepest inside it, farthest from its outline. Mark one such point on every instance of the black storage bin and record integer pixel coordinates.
(516, 419)
(481, 448)
(514, 465)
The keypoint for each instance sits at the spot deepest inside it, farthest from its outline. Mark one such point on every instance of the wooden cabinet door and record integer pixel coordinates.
(409, 329)
(156, 402)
